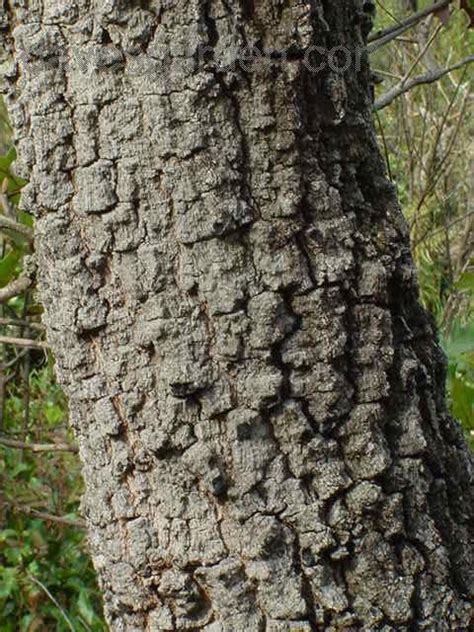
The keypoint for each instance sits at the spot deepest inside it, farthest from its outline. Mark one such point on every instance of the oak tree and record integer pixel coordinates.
(256, 392)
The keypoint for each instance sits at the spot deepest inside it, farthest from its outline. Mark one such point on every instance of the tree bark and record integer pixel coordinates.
(256, 393)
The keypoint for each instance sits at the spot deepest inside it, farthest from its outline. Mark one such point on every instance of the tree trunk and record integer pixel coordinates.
(257, 394)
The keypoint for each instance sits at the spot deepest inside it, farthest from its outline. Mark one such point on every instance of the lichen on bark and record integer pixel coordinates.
(229, 293)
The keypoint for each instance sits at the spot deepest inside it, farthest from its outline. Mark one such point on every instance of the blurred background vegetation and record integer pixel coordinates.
(46, 578)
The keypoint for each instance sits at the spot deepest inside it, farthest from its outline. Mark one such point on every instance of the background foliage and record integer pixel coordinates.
(46, 579)
(427, 137)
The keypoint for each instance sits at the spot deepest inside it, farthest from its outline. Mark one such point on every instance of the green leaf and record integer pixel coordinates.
(19, 469)
(14, 556)
(53, 413)
(462, 395)
(6, 534)
(26, 622)
(25, 218)
(8, 159)
(15, 183)
(461, 341)
(8, 266)
(85, 607)
(8, 581)
(34, 567)
(466, 282)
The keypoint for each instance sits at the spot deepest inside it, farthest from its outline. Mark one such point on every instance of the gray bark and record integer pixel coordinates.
(256, 392)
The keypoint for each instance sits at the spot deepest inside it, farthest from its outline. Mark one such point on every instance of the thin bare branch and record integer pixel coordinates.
(6, 223)
(421, 54)
(15, 288)
(394, 31)
(426, 78)
(24, 342)
(8, 365)
(36, 581)
(429, 235)
(38, 447)
(29, 511)
(13, 322)
(388, 12)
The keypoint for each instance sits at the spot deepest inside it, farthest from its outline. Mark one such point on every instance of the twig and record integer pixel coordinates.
(420, 56)
(435, 169)
(372, 48)
(53, 599)
(84, 623)
(401, 27)
(426, 78)
(13, 322)
(29, 511)
(38, 447)
(429, 235)
(389, 13)
(6, 223)
(385, 73)
(23, 342)
(15, 288)
(13, 361)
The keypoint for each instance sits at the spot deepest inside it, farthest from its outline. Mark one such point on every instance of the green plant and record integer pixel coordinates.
(459, 347)
(46, 576)
(427, 135)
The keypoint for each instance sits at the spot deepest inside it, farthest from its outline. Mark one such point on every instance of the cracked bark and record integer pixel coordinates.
(256, 394)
